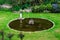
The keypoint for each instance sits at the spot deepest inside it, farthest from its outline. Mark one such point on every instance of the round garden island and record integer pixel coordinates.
(30, 24)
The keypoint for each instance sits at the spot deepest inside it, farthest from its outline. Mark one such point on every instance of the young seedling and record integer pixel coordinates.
(10, 36)
(2, 33)
(21, 35)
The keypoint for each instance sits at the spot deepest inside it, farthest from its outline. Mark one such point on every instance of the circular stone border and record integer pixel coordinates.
(29, 31)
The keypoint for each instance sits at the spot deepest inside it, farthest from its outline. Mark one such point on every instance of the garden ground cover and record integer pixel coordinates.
(51, 34)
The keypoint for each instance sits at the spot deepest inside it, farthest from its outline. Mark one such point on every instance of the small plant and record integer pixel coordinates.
(21, 35)
(2, 33)
(10, 36)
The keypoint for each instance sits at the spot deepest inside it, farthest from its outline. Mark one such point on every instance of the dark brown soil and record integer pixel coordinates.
(39, 24)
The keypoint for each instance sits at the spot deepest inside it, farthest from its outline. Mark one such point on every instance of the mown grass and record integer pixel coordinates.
(52, 34)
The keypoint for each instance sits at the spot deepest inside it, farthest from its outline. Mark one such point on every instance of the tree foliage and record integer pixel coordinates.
(22, 4)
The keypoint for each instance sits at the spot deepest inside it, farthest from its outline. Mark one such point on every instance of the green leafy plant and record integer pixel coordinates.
(49, 7)
(39, 8)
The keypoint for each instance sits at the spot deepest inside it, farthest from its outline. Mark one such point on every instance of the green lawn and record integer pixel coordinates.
(51, 34)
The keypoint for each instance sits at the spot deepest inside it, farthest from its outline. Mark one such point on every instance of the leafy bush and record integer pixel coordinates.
(49, 7)
(59, 5)
(53, 8)
(42, 7)
(39, 8)
(56, 8)
(35, 9)
(15, 8)
(2, 2)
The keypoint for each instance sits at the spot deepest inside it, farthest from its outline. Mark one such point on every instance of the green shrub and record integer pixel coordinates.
(49, 7)
(15, 8)
(39, 8)
(59, 7)
(42, 7)
(35, 9)
(2, 2)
